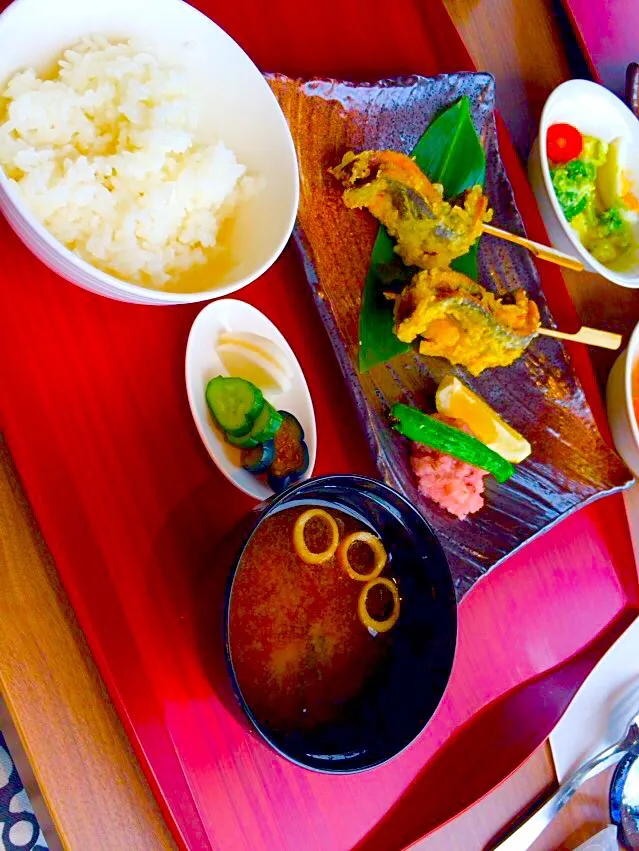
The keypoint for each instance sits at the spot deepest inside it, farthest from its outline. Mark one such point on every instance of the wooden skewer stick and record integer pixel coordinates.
(590, 336)
(544, 252)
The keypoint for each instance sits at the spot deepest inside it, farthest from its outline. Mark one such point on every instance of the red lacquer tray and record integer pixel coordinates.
(95, 414)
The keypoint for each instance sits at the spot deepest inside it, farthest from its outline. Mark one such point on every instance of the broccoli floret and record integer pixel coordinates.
(574, 186)
(579, 171)
(572, 204)
(611, 220)
(572, 200)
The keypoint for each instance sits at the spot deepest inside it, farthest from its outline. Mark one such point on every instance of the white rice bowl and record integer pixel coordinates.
(103, 152)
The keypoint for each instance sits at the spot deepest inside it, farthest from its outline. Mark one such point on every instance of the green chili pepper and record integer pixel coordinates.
(417, 426)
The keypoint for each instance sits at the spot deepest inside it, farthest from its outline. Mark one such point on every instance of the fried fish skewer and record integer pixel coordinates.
(430, 232)
(457, 318)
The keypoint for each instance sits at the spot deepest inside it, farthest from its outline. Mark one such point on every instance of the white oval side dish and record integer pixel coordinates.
(236, 106)
(203, 364)
(594, 111)
(621, 414)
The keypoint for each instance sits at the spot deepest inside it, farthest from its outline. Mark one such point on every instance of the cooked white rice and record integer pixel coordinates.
(104, 154)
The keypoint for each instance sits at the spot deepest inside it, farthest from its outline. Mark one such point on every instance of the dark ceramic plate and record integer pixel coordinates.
(401, 695)
(539, 395)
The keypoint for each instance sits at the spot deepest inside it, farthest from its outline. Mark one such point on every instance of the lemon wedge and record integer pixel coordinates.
(256, 359)
(455, 399)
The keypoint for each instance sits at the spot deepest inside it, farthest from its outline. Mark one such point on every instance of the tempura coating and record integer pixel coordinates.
(429, 231)
(458, 319)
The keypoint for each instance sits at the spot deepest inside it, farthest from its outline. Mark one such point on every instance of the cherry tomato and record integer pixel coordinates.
(563, 143)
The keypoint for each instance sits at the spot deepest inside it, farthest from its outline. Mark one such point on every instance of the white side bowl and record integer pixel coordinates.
(594, 111)
(621, 414)
(203, 364)
(236, 106)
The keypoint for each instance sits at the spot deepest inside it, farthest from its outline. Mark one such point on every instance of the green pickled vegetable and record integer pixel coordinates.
(243, 441)
(264, 428)
(266, 425)
(418, 426)
(235, 404)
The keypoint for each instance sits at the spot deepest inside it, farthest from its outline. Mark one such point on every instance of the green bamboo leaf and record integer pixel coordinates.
(449, 152)
(377, 341)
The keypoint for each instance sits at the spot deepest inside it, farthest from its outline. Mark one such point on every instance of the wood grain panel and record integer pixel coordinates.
(82, 759)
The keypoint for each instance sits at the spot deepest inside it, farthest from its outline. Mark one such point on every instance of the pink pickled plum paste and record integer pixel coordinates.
(453, 484)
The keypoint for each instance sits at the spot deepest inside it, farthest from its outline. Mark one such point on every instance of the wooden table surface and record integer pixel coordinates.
(83, 762)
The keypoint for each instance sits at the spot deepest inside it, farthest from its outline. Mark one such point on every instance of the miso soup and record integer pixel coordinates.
(312, 612)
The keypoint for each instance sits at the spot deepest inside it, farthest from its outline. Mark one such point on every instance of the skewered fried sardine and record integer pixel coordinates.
(429, 231)
(460, 320)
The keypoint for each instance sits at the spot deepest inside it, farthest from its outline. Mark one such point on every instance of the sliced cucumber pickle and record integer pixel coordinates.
(235, 404)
